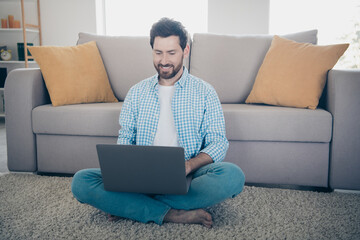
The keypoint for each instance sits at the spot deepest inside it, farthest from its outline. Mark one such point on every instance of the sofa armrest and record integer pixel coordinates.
(343, 101)
(24, 90)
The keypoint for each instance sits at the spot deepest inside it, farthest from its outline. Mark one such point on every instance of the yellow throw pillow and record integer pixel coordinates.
(74, 74)
(294, 74)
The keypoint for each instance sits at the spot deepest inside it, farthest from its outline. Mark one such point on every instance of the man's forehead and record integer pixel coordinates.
(166, 41)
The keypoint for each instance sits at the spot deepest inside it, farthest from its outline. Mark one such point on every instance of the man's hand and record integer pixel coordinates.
(197, 162)
(187, 167)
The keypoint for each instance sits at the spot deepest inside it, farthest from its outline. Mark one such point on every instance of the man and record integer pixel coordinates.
(172, 108)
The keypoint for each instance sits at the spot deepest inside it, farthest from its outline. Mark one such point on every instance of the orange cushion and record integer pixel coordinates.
(294, 74)
(74, 74)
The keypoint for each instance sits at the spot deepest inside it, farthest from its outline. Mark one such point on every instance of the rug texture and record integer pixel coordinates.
(42, 207)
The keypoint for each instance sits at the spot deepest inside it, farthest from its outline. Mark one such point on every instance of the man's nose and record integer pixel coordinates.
(164, 60)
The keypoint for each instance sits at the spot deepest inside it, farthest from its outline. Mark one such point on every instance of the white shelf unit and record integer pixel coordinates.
(12, 62)
(28, 12)
(10, 38)
(18, 30)
(11, 65)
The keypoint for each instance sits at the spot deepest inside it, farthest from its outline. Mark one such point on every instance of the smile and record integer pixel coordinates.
(165, 67)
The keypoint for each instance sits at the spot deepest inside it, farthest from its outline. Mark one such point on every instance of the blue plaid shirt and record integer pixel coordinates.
(197, 112)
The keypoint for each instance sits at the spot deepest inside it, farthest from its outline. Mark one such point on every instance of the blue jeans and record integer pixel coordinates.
(211, 184)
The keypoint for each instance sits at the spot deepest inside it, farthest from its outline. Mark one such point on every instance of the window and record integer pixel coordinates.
(337, 22)
(135, 17)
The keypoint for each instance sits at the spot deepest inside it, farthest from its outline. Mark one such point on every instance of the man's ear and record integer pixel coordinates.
(186, 51)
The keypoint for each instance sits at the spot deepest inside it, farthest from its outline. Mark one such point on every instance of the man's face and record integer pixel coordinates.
(168, 58)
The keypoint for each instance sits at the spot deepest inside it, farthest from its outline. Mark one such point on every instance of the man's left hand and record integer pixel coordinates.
(197, 162)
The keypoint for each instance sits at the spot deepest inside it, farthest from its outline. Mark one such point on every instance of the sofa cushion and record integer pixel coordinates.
(231, 62)
(97, 119)
(243, 122)
(127, 60)
(74, 74)
(294, 74)
(269, 123)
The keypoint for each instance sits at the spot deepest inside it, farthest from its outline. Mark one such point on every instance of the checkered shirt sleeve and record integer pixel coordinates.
(213, 129)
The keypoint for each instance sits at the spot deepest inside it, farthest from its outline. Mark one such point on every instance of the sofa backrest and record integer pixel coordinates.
(230, 62)
(127, 60)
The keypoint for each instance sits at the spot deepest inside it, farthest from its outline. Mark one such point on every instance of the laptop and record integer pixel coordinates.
(143, 169)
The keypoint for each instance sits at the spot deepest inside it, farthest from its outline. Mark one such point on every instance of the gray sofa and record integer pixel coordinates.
(273, 145)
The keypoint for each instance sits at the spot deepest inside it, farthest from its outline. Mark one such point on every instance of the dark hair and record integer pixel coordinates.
(166, 27)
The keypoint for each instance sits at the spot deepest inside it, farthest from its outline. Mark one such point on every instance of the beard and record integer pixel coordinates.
(173, 70)
(167, 74)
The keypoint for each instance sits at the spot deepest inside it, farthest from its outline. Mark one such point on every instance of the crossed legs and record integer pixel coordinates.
(211, 184)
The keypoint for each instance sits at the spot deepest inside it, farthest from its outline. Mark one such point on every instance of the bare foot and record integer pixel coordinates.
(198, 216)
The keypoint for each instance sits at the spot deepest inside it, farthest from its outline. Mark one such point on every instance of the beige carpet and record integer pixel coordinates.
(41, 207)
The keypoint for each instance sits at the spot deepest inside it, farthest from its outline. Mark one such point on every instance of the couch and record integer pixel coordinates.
(272, 144)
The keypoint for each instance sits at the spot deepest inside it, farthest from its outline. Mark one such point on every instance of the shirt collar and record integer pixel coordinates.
(180, 82)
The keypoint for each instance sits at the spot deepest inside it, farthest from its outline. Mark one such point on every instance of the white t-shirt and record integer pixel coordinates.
(166, 134)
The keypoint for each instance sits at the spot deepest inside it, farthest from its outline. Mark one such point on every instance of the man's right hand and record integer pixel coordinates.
(188, 168)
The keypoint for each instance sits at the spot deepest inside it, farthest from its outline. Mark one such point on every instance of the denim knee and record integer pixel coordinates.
(76, 184)
(235, 178)
(80, 184)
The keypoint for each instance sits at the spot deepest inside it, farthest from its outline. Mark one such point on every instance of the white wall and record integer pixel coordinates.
(62, 20)
(238, 16)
